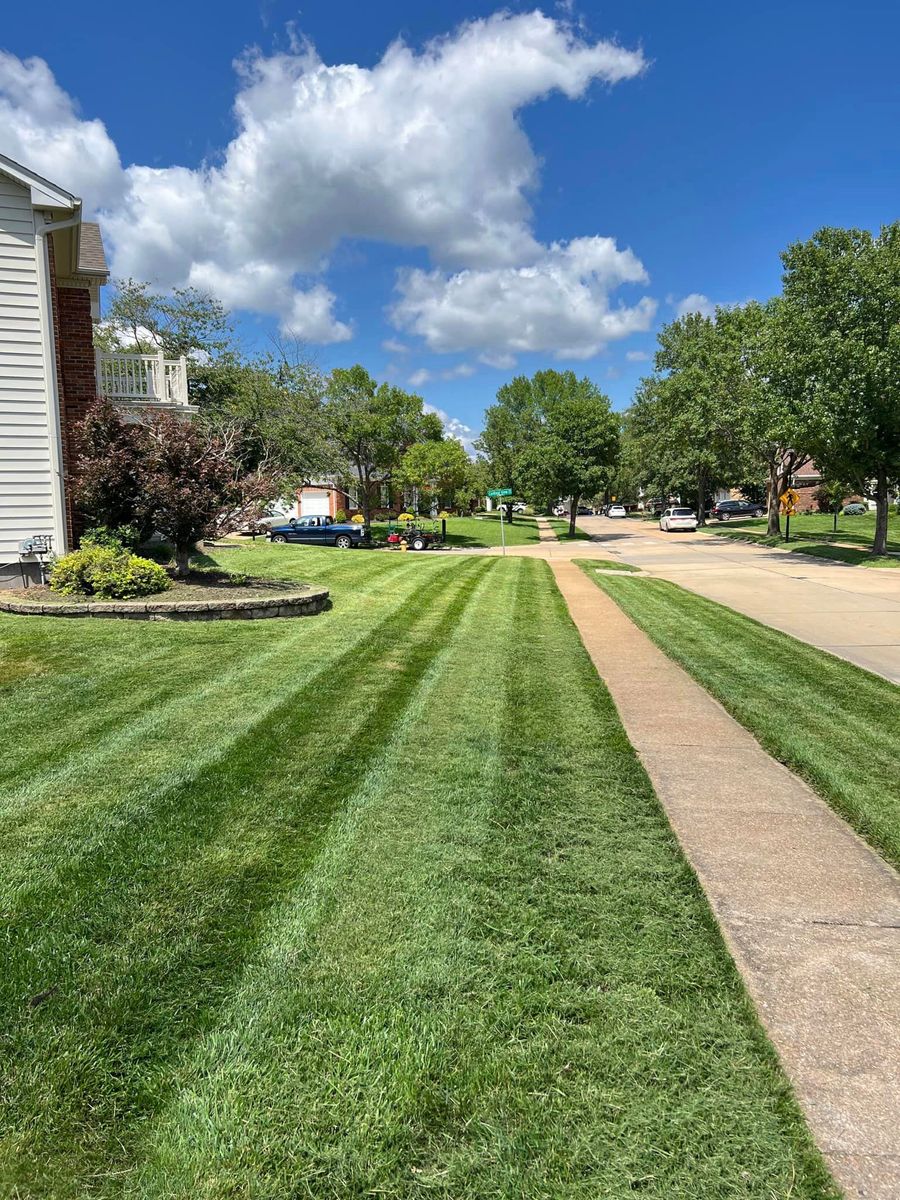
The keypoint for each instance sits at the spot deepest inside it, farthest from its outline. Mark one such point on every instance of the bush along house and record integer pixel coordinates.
(52, 266)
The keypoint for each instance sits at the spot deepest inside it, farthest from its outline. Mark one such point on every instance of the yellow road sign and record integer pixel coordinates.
(789, 501)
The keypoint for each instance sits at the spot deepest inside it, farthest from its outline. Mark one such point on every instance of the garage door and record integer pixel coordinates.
(314, 504)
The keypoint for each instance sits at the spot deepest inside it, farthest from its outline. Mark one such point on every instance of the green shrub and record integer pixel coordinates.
(120, 537)
(126, 576)
(71, 575)
(108, 574)
(340, 516)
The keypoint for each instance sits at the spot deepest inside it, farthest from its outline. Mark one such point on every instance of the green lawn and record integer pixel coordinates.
(359, 905)
(613, 564)
(560, 527)
(834, 724)
(816, 527)
(808, 543)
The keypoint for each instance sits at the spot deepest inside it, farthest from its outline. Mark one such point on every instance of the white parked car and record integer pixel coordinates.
(678, 518)
(617, 510)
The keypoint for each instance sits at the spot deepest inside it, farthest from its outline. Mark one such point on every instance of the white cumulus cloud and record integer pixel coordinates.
(696, 302)
(40, 127)
(558, 304)
(424, 148)
(455, 428)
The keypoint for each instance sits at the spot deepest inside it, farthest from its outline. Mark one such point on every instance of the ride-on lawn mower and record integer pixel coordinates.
(415, 534)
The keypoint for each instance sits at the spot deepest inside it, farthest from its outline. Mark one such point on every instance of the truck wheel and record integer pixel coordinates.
(343, 542)
(278, 537)
(419, 544)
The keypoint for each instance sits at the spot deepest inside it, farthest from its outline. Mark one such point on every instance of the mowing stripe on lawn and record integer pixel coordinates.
(90, 695)
(200, 721)
(499, 979)
(163, 914)
(834, 724)
(454, 953)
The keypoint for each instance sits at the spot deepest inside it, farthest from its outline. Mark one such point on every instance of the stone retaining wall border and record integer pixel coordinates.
(254, 608)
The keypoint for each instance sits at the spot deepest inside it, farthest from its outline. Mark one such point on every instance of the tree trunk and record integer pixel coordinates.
(701, 499)
(573, 509)
(182, 559)
(773, 529)
(879, 546)
(365, 500)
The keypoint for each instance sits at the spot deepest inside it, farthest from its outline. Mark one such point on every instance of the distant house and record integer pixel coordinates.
(806, 481)
(52, 267)
(323, 498)
(328, 495)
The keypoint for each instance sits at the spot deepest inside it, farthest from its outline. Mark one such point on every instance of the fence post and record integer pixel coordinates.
(98, 373)
(161, 389)
(182, 377)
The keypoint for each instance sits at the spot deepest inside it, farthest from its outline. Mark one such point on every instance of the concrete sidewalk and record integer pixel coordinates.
(810, 913)
(545, 530)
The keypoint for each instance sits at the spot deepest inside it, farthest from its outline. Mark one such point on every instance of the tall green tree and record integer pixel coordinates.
(574, 448)
(510, 424)
(370, 427)
(699, 433)
(438, 469)
(185, 321)
(841, 323)
(760, 393)
(276, 402)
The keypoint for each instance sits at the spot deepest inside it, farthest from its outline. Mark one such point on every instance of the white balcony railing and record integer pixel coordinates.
(143, 380)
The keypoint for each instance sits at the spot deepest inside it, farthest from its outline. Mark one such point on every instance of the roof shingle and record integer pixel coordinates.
(91, 256)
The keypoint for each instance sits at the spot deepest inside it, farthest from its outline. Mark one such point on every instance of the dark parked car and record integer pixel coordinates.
(732, 510)
(321, 531)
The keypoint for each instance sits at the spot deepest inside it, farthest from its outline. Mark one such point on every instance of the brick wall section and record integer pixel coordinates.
(77, 376)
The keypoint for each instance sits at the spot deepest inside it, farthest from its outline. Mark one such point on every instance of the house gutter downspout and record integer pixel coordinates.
(48, 345)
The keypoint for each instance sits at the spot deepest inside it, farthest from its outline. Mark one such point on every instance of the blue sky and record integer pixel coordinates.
(716, 136)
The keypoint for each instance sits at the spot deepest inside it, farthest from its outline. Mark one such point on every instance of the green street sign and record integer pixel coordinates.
(500, 492)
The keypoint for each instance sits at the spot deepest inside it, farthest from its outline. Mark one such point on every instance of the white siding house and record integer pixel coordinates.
(52, 267)
(31, 500)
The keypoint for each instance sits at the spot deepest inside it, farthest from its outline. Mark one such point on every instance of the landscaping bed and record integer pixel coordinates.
(201, 596)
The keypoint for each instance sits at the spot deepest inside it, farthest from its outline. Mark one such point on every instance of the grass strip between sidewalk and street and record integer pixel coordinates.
(379, 902)
(847, 554)
(831, 722)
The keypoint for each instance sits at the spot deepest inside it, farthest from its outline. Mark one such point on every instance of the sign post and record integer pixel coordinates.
(789, 501)
(494, 493)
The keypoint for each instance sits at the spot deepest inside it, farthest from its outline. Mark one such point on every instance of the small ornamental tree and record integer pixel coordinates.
(107, 469)
(177, 477)
(194, 485)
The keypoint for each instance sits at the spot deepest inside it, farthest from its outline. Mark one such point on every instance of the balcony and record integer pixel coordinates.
(138, 382)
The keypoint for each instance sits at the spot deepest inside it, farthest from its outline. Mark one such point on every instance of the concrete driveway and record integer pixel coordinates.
(853, 612)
